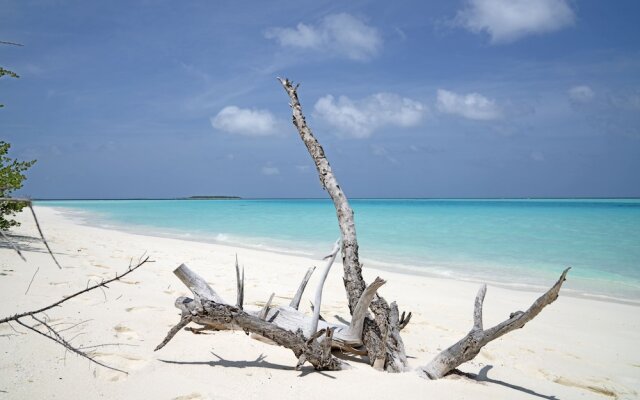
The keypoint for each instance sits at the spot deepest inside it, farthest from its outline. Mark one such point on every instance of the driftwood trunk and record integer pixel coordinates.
(381, 335)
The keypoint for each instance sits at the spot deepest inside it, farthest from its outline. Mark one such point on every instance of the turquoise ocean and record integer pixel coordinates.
(519, 243)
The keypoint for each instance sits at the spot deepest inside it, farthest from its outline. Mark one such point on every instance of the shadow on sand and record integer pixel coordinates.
(483, 377)
(257, 363)
(22, 242)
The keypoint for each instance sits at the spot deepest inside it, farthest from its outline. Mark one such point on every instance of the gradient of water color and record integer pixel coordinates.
(514, 242)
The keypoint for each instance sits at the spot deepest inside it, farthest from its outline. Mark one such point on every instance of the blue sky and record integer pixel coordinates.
(470, 98)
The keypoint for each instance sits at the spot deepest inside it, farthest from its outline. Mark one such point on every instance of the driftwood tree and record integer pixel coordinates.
(309, 337)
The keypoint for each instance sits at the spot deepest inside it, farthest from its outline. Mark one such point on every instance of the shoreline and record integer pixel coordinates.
(138, 311)
(85, 218)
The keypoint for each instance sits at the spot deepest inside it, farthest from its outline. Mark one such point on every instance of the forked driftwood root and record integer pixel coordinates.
(469, 346)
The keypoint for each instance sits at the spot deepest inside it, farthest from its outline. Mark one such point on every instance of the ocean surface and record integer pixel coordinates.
(519, 243)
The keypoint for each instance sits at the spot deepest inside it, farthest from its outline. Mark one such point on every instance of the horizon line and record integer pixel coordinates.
(231, 198)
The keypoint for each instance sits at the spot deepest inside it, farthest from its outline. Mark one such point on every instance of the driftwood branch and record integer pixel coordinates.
(240, 285)
(381, 349)
(469, 346)
(318, 297)
(295, 302)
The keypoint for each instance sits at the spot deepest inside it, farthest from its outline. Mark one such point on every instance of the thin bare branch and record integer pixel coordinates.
(11, 43)
(60, 340)
(31, 281)
(88, 289)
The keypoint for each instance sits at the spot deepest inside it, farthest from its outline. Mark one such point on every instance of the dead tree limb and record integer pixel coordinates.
(469, 346)
(383, 352)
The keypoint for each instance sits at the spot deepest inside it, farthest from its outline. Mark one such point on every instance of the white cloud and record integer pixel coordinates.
(359, 119)
(581, 94)
(341, 34)
(245, 121)
(509, 20)
(470, 106)
(270, 171)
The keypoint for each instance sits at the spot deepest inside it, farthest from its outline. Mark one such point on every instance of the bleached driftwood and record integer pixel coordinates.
(378, 337)
(469, 346)
(209, 309)
(345, 337)
(381, 335)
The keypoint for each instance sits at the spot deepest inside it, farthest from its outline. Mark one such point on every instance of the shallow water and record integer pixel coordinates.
(514, 242)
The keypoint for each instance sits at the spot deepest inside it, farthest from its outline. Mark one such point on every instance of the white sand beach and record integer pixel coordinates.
(575, 349)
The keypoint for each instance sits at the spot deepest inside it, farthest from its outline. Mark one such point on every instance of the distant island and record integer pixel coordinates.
(213, 198)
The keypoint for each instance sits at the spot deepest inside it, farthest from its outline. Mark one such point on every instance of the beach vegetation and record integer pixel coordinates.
(6, 72)
(12, 177)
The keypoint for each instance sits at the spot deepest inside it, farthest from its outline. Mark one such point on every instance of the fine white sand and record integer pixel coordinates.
(575, 349)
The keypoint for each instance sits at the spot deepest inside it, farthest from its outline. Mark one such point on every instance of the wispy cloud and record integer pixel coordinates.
(359, 119)
(336, 34)
(379, 150)
(471, 106)
(509, 20)
(270, 170)
(581, 94)
(245, 121)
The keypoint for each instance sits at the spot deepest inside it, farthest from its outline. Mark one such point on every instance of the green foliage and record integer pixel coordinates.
(4, 72)
(11, 179)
